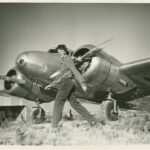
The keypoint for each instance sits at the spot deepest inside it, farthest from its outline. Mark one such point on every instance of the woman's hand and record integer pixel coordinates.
(84, 87)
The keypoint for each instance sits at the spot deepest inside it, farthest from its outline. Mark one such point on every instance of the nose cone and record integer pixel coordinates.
(21, 60)
(37, 63)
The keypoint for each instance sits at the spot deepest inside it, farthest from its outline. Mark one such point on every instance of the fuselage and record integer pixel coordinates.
(103, 73)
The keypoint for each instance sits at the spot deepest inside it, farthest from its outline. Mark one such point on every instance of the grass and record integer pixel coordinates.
(129, 129)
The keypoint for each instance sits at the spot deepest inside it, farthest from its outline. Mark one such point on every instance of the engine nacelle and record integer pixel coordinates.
(30, 90)
(95, 69)
(103, 73)
(13, 88)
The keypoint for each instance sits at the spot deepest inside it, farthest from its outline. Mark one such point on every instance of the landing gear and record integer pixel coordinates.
(109, 108)
(38, 115)
(69, 115)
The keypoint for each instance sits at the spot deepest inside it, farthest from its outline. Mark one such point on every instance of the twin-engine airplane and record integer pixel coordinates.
(109, 82)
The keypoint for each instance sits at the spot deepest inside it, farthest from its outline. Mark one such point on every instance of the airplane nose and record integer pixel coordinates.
(21, 60)
(37, 63)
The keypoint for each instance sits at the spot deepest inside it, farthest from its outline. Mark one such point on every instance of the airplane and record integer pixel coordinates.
(110, 83)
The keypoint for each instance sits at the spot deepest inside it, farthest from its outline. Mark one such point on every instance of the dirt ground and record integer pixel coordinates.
(131, 128)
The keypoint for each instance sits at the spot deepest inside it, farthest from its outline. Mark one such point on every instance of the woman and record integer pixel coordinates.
(65, 86)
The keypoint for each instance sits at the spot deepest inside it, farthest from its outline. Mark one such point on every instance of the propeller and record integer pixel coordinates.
(12, 79)
(2, 77)
(2, 92)
(99, 47)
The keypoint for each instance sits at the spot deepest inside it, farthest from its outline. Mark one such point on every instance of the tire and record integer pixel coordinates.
(107, 110)
(38, 119)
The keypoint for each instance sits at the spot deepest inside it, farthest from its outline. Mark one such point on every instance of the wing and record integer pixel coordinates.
(139, 73)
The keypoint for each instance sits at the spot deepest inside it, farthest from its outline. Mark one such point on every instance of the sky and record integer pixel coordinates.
(33, 26)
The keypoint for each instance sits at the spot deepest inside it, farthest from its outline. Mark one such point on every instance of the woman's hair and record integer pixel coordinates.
(62, 47)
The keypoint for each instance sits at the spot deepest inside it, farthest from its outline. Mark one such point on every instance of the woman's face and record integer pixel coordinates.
(61, 52)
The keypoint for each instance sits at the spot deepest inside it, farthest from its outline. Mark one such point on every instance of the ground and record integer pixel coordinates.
(132, 128)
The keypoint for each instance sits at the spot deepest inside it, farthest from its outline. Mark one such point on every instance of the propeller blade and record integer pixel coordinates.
(99, 47)
(2, 77)
(13, 79)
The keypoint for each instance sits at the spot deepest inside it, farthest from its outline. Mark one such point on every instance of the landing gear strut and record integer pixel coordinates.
(38, 114)
(110, 108)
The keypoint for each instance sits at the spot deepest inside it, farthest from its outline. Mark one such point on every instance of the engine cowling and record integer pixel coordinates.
(103, 73)
(13, 88)
(30, 90)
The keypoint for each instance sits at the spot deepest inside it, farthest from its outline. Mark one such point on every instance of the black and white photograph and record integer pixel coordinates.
(74, 74)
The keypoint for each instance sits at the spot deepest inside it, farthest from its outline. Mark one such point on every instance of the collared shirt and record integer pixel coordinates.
(68, 70)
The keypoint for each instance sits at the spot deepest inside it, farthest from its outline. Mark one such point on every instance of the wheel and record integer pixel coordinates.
(110, 114)
(107, 109)
(38, 115)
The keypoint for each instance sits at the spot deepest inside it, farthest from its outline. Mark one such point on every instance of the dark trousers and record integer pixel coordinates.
(65, 92)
